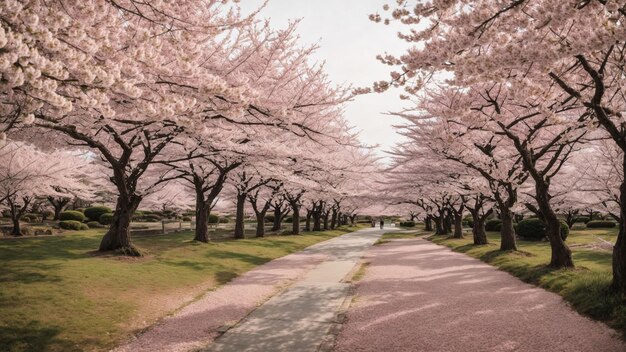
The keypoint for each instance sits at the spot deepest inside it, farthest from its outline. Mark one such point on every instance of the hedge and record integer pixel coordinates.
(407, 224)
(152, 218)
(73, 225)
(106, 219)
(601, 224)
(72, 215)
(95, 225)
(93, 213)
(493, 225)
(224, 220)
(186, 218)
(584, 219)
(535, 229)
(213, 219)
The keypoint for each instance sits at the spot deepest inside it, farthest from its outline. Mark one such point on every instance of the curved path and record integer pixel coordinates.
(418, 296)
(304, 311)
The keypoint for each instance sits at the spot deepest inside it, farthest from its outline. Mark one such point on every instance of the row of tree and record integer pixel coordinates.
(172, 103)
(517, 106)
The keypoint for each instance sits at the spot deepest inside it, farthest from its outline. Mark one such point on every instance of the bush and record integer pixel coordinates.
(493, 225)
(106, 219)
(407, 224)
(469, 220)
(30, 217)
(95, 225)
(213, 219)
(289, 220)
(269, 218)
(601, 224)
(72, 215)
(152, 218)
(584, 219)
(224, 220)
(535, 229)
(186, 218)
(73, 225)
(93, 213)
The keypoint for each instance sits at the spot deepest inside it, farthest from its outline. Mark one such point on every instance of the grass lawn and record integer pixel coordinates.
(57, 295)
(585, 287)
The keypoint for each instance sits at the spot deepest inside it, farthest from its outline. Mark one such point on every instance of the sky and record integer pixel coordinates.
(349, 43)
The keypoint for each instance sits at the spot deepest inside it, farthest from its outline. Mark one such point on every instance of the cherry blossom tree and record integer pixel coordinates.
(576, 47)
(27, 173)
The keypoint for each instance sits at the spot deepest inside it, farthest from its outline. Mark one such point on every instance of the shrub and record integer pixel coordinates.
(469, 220)
(93, 213)
(584, 219)
(152, 218)
(407, 224)
(95, 225)
(269, 218)
(535, 229)
(186, 218)
(106, 219)
(493, 225)
(72, 215)
(224, 220)
(213, 219)
(6, 213)
(32, 217)
(289, 220)
(73, 225)
(601, 224)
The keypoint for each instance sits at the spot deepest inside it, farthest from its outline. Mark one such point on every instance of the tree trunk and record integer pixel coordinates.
(438, 225)
(478, 230)
(619, 249)
(17, 230)
(326, 218)
(561, 256)
(333, 220)
(507, 232)
(307, 224)
(260, 224)
(202, 220)
(239, 216)
(118, 235)
(447, 224)
(295, 225)
(317, 223)
(278, 214)
(458, 225)
(428, 223)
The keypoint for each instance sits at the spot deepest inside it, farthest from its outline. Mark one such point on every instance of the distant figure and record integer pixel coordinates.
(382, 223)
(373, 223)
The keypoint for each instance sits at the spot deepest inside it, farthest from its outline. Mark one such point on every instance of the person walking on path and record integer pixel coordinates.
(382, 223)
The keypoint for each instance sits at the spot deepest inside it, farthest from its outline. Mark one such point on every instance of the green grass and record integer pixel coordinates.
(58, 295)
(398, 235)
(586, 287)
(360, 273)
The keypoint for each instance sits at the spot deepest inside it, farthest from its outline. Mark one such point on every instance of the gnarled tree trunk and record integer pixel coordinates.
(118, 235)
(239, 216)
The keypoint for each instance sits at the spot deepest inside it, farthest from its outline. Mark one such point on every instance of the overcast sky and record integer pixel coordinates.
(349, 43)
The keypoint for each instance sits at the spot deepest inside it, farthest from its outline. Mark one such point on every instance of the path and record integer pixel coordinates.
(317, 271)
(417, 296)
(299, 318)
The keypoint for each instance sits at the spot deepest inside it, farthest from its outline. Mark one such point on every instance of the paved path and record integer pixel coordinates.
(317, 271)
(298, 318)
(417, 296)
